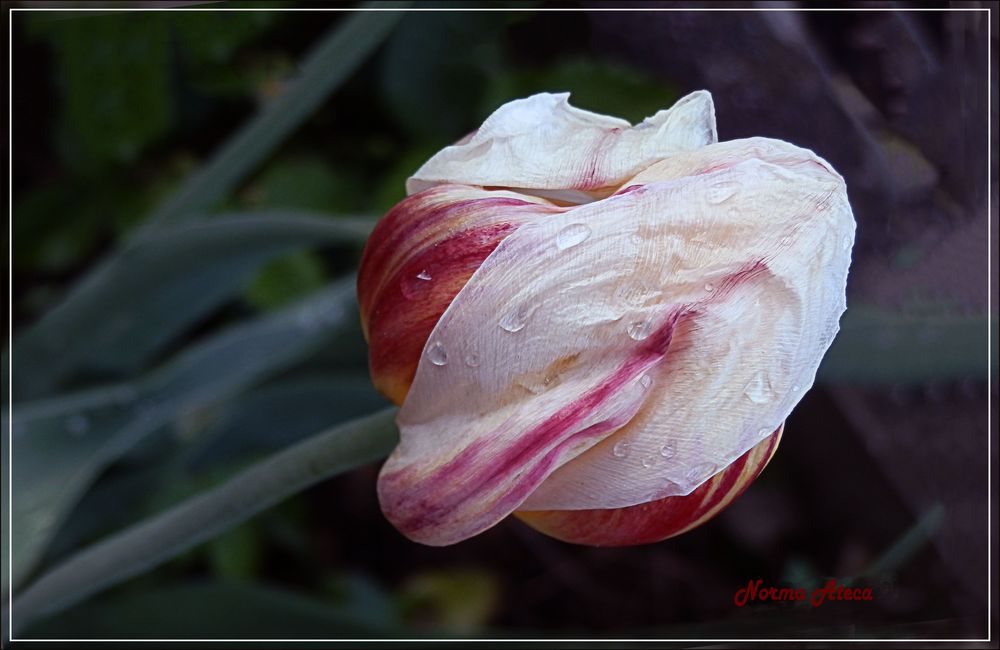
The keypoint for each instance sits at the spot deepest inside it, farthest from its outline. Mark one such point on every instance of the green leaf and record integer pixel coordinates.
(140, 298)
(149, 543)
(61, 444)
(281, 413)
(305, 183)
(219, 610)
(879, 346)
(239, 429)
(330, 63)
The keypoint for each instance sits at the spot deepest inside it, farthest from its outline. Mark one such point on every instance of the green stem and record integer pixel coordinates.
(199, 519)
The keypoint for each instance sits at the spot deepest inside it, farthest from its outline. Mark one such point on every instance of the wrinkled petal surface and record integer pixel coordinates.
(543, 143)
(624, 350)
(417, 259)
(659, 519)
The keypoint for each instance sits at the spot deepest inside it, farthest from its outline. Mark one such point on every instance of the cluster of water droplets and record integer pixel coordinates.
(438, 355)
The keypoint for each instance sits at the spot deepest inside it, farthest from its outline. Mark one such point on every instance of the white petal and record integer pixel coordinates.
(543, 143)
(581, 286)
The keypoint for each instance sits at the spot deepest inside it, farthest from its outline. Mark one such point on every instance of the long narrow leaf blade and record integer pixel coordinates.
(201, 518)
(59, 448)
(330, 63)
(140, 298)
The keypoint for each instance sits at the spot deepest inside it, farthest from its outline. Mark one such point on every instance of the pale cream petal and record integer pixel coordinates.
(543, 143)
(752, 254)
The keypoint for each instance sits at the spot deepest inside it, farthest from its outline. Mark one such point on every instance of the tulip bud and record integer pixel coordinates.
(596, 326)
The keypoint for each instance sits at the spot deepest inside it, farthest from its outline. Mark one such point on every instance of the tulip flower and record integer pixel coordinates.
(600, 328)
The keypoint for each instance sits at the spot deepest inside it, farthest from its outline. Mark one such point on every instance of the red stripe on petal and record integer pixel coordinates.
(660, 519)
(419, 257)
(495, 473)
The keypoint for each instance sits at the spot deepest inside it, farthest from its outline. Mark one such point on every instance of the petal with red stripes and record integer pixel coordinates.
(693, 309)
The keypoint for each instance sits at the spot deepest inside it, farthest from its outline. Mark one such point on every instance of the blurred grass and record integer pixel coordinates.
(201, 518)
(61, 447)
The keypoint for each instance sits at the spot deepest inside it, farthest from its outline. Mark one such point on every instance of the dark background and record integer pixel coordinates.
(881, 477)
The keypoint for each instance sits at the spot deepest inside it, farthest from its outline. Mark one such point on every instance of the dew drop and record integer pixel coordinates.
(763, 431)
(414, 287)
(758, 390)
(709, 286)
(669, 449)
(639, 330)
(722, 191)
(796, 388)
(472, 360)
(516, 319)
(649, 461)
(78, 425)
(572, 235)
(437, 354)
(645, 381)
(621, 449)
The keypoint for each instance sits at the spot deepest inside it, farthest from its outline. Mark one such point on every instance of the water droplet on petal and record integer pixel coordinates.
(472, 360)
(639, 330)
(709, 286)
(572, 235)
(796, 388)
(758, 390)
(621, 449)
(437, 354)
(669, 449)
(763, 431)
(415, 287)
(645, 381)
(722, 191)
(649, 461)
(78, 424)
(517, 319)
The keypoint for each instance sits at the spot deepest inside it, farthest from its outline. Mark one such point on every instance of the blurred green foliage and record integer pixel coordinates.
(116, 75)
